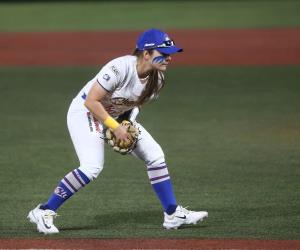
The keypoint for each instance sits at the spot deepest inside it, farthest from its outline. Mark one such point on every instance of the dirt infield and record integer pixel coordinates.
(202, 47)
(146, 244)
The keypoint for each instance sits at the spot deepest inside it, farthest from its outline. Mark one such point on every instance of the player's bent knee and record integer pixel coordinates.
(91, 171)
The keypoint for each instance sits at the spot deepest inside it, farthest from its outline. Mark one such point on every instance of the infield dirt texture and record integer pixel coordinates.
(201, 47)
(239, 158)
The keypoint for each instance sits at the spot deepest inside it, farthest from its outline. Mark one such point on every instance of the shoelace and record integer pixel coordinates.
(184, 210)
(49, 216)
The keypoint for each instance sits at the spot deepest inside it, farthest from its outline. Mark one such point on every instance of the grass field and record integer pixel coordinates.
(230, 134)
(128, 15)
(238, 157)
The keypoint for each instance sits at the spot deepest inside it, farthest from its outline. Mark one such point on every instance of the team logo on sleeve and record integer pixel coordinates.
(115, 70)
(106, 77)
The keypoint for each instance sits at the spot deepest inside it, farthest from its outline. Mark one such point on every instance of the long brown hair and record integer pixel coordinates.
(152, 86)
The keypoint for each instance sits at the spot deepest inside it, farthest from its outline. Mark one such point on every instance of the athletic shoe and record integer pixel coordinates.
(183, 216)
(43, 219)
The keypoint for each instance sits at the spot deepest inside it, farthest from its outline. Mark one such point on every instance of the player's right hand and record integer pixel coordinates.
(121, 134)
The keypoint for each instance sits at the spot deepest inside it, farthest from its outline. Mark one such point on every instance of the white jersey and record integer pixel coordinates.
(119, 77)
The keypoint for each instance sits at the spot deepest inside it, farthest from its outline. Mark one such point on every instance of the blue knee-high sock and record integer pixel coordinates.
(68, 186)
(164, 191)
(161, 183)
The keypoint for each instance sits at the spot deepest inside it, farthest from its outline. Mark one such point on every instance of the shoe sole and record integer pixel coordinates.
(176, 227)
(170, 228)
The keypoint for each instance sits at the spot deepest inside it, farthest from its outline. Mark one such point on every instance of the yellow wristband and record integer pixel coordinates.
(111, 123)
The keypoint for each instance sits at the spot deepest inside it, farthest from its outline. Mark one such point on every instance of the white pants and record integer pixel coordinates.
(87, 137)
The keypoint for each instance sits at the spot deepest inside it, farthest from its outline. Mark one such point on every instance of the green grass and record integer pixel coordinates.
(140, 15)
(231, 137)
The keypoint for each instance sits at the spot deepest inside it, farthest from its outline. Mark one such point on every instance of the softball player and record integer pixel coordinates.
(121, 87)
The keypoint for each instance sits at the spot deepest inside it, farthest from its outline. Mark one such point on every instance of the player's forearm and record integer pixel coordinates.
(97, 109)
(101, 114)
